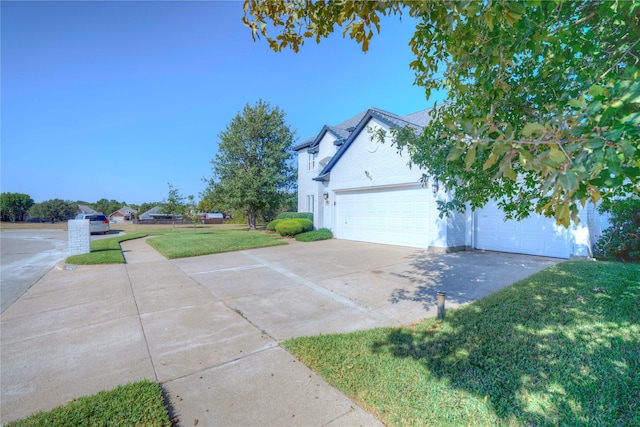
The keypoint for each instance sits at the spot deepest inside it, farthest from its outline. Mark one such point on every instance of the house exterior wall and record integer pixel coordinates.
(369, 165)
(385, 166)
(309, 191)
(117, 217)
(377, 190)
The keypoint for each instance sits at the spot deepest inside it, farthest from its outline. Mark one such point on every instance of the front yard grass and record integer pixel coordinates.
(134, 404)
(188, 244)
(178, 243)
(559, 348)
(105, 251)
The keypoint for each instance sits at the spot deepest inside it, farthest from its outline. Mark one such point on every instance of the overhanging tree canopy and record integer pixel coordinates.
(543, 97)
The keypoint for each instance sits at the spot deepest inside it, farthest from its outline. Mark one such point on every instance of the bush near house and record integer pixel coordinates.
(307, 224)
(272, 225)
(289, 227)
(312, 236)
(293, 215)
(622, 239)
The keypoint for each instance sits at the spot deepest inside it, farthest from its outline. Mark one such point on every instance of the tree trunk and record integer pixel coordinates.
(250, 212)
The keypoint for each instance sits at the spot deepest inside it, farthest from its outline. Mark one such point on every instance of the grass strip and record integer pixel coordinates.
(561, 347)
(135, 404)
(104, 251)
(185, 244)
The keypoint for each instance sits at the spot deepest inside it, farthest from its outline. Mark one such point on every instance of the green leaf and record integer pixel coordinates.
(525, 156)
(493, 158)
(569, 180)
(507, 169)
(596, 90)
(467, 127)
(562, 214)
(614, 134)
(627, 149)
(454, 154)
(531, 128)
(470, 158)
(594, 108)
(632, 119)
(576, 103)
(554, 157)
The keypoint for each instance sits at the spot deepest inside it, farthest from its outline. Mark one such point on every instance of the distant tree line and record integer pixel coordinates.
(16, 207)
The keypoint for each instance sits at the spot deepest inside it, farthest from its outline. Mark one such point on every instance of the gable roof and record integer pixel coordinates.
(341, 131)
(125, 210)
(86, 209)
(417, 120)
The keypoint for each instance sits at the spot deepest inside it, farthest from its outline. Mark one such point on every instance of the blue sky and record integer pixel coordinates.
(116, 99)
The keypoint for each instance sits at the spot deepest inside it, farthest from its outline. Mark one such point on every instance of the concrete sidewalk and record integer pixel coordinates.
(78, 332)
(208, 328)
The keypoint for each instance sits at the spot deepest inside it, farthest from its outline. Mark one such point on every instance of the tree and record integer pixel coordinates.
(174, 203)
(108, 207)
(14, 206)
(543, 97)
(622, 239)
(54, 210)
(253, 169)
(191, 211)
(208, 198)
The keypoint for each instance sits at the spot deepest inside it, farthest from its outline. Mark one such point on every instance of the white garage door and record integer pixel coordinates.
(391, 216)
(536, 235)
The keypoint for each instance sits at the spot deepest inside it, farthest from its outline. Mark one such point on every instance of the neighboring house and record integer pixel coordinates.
(84, 209)
(156, 213)
(123, 214)
(364, 190)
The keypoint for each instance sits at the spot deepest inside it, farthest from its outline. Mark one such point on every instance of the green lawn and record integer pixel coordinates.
(134, 404)
(179, 243)
(559, 348)
(104, 251)
(188, 244)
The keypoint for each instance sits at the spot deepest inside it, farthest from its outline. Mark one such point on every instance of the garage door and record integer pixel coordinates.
(536, 235)
(397, 216)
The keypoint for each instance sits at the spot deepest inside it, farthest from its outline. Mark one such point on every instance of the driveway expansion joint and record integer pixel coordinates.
(309, 284)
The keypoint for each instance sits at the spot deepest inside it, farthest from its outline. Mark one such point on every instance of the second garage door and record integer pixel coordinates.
(396, 216)
(536, 235)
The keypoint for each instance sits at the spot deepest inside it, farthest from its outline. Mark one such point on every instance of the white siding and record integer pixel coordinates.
(395, 216)
(536, 235)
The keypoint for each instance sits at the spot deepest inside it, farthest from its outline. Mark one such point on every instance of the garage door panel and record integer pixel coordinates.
(536, 235)
(388, 216)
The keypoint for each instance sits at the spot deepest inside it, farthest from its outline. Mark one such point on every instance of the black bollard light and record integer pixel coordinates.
(441, 296)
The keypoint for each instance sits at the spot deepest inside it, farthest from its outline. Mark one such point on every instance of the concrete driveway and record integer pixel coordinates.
(208, 328)
(341, 286)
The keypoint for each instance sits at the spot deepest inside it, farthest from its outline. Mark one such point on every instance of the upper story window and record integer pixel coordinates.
(311, 161)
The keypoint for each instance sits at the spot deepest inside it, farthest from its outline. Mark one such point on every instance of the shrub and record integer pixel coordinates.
(272, 225)
(289, 227)
(307, 224)
(291, 215)
(312, 236)
(622, 239)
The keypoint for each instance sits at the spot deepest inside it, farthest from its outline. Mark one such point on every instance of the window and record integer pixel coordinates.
(310, 203)
(311, 161)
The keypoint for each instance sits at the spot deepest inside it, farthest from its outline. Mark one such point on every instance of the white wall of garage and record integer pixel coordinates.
(395, 216)
(373, 195)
